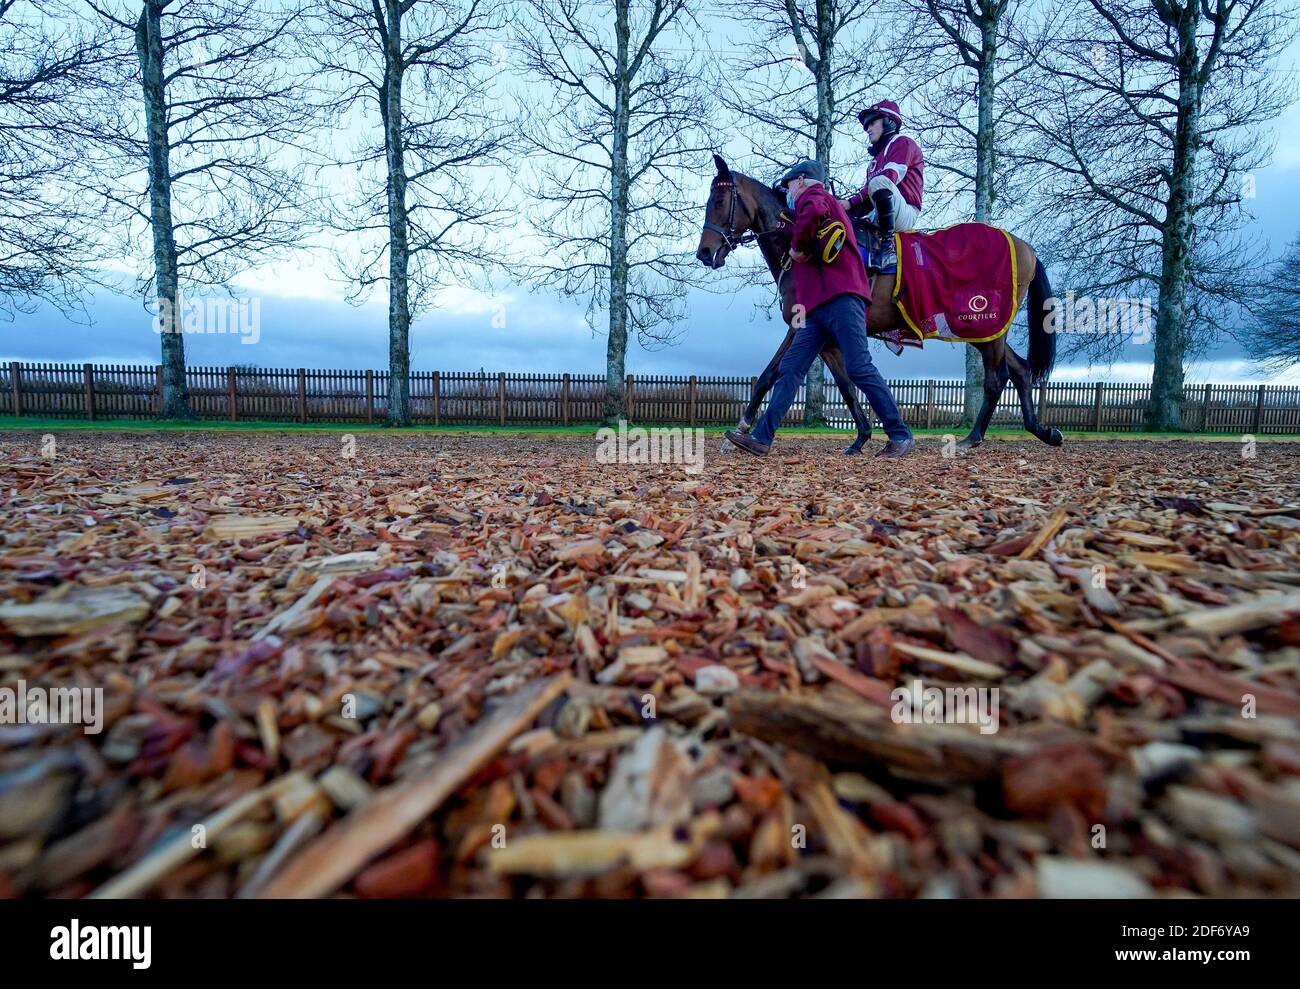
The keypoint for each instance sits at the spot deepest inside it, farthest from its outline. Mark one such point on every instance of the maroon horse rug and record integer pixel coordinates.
(958, 283)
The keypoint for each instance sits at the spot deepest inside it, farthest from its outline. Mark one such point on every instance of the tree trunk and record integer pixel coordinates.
(984, 194)
(821, 67)
(815, 382)
(616, 347)
(399, 307)
(148, 45)
(1164, 411)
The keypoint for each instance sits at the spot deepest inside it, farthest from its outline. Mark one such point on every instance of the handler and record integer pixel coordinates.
(830, 287)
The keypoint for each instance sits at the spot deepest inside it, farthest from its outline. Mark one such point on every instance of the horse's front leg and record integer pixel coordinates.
(785, 290)
(761, 387)
(834, 358)
(764, 384)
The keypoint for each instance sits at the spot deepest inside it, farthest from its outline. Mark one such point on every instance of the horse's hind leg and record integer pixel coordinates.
(1020, 377)
(996, 375)
(834, 359)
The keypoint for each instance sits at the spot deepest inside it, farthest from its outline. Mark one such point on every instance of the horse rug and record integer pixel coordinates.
(957, 284)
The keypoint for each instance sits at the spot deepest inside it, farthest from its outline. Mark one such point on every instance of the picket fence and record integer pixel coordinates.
(307, 395)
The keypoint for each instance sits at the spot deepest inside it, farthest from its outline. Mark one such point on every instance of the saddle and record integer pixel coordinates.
(872, 243)
(868, 237)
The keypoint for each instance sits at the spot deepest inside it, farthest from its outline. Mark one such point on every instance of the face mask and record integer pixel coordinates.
(790, 198)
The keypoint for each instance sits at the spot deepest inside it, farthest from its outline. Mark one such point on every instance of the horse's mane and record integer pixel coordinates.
(769, 201)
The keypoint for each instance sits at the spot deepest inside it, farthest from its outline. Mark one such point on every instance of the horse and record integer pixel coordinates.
(741, 210)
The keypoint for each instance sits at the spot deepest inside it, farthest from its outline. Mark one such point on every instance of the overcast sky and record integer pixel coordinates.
(305, 322)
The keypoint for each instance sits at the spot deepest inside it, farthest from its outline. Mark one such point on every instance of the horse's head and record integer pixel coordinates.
(728, 215)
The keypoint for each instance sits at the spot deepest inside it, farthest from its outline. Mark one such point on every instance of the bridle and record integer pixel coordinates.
(728, 234)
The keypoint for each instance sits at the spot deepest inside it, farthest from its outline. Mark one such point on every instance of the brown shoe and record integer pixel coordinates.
(747, 443)
(897, 448)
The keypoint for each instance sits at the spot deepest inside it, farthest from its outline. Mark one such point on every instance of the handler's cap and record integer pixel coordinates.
(806, 169)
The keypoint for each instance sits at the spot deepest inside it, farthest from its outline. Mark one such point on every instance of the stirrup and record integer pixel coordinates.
(882, 260)
(883, 264)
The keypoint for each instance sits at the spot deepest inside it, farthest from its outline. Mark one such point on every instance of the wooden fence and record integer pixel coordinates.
(115, 391)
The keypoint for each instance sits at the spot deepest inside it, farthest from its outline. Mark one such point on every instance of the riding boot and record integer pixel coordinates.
(885, 224)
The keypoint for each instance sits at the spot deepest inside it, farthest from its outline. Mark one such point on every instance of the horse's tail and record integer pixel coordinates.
(1042, 339)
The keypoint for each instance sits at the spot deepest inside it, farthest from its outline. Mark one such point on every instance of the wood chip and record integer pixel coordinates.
(334, 858)
(249, 526)
(70, 614)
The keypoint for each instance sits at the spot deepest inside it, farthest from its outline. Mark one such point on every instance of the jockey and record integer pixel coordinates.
(892, 196)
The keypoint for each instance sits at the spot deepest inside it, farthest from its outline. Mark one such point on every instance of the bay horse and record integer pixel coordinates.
(741, 210)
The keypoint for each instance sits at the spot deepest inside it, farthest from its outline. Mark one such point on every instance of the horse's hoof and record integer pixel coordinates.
(968, 444)
(854, 449)
(1054, 437)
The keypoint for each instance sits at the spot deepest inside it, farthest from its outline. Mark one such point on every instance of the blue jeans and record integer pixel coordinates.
(843, 318)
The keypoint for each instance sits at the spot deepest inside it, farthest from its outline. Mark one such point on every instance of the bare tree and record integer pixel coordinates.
(812, 66)
(1150, 117)
(613, 139)
(204, 162)
(414, 73)
(48, 66)
(962, 49)
(1274, 336)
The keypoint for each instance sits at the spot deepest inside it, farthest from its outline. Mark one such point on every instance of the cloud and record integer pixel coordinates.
(734, 332)
(1287, 154)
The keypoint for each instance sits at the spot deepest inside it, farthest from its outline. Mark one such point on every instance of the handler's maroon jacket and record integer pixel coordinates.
(814, 281)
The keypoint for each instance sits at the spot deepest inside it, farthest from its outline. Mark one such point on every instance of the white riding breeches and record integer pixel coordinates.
(905, 214)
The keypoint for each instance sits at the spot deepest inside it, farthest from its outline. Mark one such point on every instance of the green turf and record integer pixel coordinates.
(42, 423)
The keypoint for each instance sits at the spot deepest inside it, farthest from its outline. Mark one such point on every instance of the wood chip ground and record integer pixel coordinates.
(491, 666)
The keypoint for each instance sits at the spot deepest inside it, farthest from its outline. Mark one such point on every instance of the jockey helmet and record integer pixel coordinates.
(886, 110)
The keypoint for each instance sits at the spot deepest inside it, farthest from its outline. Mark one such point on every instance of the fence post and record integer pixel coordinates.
(693, 397)
(1259, 411)
(1096, 406)
(230, 394)
(16, 385)
(89, 371)
(158, 387)
(564, 402)
(1205, 410)
(501, 397)
(302, 394)
(370, 396)
(437, 398)
(929, 404)
(627, 398)
(1042, 402)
